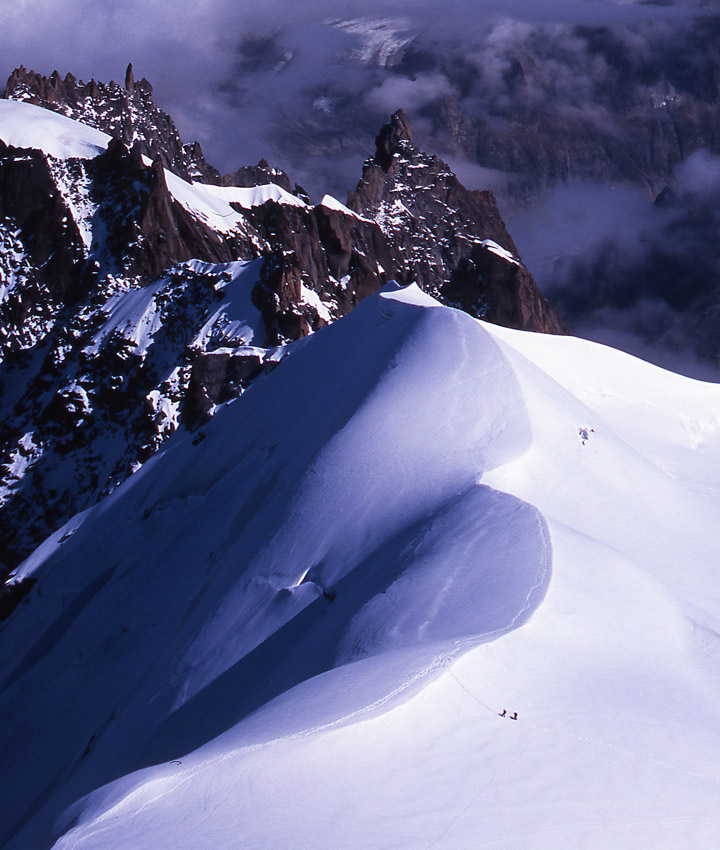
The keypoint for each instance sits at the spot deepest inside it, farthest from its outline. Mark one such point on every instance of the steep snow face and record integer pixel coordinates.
(318, 614)
(237, 321)
(116, 332)
(335, 515)
(213, 210)
(361, 548)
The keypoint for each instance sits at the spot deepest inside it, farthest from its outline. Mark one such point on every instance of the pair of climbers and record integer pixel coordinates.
(512, 716)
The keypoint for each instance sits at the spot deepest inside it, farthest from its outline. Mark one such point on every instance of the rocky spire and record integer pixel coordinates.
(449, 240)
(393, 136)
(130, 78)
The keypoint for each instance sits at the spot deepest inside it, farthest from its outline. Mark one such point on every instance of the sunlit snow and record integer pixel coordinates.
(431, 583)
(26, 126)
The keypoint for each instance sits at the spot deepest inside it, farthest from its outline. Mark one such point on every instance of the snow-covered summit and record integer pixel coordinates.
(420, 585)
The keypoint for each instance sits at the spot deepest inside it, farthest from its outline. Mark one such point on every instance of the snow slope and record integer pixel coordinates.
(315, 612)
(26, 126)
(136, 315)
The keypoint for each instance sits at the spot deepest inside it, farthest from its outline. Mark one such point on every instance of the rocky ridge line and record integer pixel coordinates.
(450, 240)
(126, 112)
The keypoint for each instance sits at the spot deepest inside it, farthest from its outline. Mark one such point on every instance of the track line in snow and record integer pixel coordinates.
(560, 732)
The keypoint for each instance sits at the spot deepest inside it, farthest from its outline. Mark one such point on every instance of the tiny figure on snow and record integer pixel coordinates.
(584, 434)
(513, 716)
(504, 713)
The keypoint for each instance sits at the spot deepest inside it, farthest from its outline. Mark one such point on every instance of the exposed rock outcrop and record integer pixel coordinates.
(451, 241)
(42, 251)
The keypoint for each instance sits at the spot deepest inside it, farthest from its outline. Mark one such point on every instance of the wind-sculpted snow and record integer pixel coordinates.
(317, 622)
(478, 568)
(332, 514)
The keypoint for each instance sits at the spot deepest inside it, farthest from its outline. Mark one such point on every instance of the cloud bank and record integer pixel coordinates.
(639, 275)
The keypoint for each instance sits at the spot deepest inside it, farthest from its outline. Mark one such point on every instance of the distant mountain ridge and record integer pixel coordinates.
(539, 101)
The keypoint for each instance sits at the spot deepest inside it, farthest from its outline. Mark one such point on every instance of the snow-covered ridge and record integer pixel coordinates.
(27, 126)
(499, 251)
(333, 204)
(254, 196)
(424, 576)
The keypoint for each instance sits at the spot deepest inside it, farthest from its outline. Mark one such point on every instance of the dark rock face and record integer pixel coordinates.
(11, 595)
(219, 376)
(138, 231)
(127, 113)
(449, 240)
(125, 311)
(336, 255)
(356, 252)
(76, 418)
(148, 231)
(42, 247)
(258, 175)
(96, 397)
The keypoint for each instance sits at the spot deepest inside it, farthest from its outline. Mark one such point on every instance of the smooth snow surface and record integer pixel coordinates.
(303, 624)
(253, 196)
(213, 204)
(212, 210)
(26, 126)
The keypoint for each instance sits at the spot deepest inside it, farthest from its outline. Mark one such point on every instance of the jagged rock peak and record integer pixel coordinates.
(127, 112)
(130, 78)
(392, 139)
(34, 88)
(449, 240)
(255, 175)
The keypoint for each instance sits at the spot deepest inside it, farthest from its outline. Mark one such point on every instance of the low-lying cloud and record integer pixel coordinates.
(640, 275)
